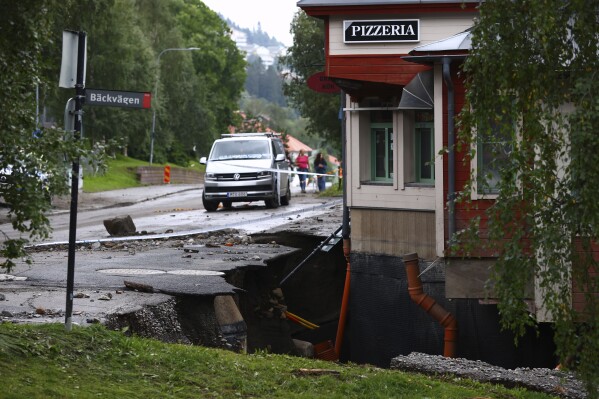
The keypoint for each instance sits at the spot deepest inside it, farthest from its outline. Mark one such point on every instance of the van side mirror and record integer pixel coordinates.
(203, 160)
(279, 157)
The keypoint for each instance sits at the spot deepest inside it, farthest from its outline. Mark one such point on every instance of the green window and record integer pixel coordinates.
(424, 140)
(382, 151)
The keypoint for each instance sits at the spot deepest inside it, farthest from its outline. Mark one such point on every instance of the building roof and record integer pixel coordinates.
(333, 160)
(294, 145)
(460, 41)
(328, 3)
(455, 47)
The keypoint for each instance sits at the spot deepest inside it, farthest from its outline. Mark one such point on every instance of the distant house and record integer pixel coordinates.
(333, 161)
(294, 146)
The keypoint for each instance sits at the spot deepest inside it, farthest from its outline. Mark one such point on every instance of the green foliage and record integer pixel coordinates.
(45, 361)
(39, 165)
(270, 115)
(120, 173)
(303, 59)
(220, 72)
(194, 92)
(532, 72)
(264, 82)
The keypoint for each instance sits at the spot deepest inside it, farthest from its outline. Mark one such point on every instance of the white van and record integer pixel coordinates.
(246, 167)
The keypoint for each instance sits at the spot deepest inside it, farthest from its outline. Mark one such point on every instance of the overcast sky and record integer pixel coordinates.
(274, 15)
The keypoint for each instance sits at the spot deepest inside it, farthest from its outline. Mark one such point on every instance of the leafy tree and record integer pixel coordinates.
(38, 162)
(271, 87)
(255, 69)
(219, 69)
(272, 115)
(113, 33)
(303, 59)
(533, 82)
(264, 82)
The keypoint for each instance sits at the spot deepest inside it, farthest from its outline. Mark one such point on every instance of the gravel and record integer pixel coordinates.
(553, 382)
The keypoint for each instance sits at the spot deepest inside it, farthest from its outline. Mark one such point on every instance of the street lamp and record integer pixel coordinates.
(153, 134)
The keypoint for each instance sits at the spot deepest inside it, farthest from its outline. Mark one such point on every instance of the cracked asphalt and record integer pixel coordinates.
(179, 263)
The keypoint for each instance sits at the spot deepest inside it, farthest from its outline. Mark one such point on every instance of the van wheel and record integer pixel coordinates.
(210, 206)
(287, 197)
(272, 202)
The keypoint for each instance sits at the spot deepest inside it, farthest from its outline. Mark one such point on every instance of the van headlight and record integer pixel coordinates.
(263, 173)
(210, 176)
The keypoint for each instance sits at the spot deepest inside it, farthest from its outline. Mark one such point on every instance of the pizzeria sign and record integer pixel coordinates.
(374, 31)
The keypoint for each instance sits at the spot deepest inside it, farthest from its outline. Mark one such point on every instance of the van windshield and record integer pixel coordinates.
(240, 149)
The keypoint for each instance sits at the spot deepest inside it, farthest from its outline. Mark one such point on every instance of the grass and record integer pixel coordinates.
(120, 173)
(45, 361)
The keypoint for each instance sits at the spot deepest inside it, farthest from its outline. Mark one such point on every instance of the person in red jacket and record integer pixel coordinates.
(302, 163)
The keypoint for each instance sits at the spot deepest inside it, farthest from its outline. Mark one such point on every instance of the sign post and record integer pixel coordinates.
(79, 99)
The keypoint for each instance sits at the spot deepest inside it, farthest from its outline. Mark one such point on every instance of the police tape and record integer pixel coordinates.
(255, 169)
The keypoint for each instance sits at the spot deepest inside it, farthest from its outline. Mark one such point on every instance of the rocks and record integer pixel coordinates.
(552, 382)
(120, 226)
(304, 348)
(9, 277)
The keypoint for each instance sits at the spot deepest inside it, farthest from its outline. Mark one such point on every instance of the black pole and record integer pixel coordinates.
(346, 228)
(79, 98)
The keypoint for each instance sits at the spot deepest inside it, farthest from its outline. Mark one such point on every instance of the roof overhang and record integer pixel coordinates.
(432, 58)
(360, 89)
(324, 8)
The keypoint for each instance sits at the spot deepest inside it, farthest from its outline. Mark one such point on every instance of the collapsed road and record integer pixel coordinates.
(170, 286)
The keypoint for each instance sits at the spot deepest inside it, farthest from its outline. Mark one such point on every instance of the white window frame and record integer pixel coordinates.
(474, 165)
(389, 145)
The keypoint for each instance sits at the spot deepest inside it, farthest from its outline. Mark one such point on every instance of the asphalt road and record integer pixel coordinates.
(187, 261)
(169, 209)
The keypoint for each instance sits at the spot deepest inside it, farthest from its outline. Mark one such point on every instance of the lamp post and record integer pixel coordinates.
(153, 133)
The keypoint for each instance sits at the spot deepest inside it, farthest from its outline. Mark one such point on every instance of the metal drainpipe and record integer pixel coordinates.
(451, 150)
(345, 231)
(431, 306)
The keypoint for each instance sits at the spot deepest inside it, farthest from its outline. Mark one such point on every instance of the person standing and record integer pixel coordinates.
(320, 166)
(302, 164)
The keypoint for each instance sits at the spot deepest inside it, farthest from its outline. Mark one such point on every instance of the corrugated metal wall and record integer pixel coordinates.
(384, 322)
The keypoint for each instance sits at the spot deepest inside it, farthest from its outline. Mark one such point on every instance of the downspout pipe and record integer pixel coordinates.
(450, 148)
(436, 311)
(345, 231)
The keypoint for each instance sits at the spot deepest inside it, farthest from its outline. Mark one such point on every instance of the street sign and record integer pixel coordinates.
(323, 84)
(111, 98)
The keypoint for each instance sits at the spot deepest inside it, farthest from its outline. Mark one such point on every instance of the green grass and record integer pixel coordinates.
(120, 173)
(45, 361)
(335, 190)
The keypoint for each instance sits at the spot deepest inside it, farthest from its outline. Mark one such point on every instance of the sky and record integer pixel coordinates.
(275, 16)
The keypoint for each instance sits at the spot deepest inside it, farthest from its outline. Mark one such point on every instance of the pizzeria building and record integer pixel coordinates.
(399, 66)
